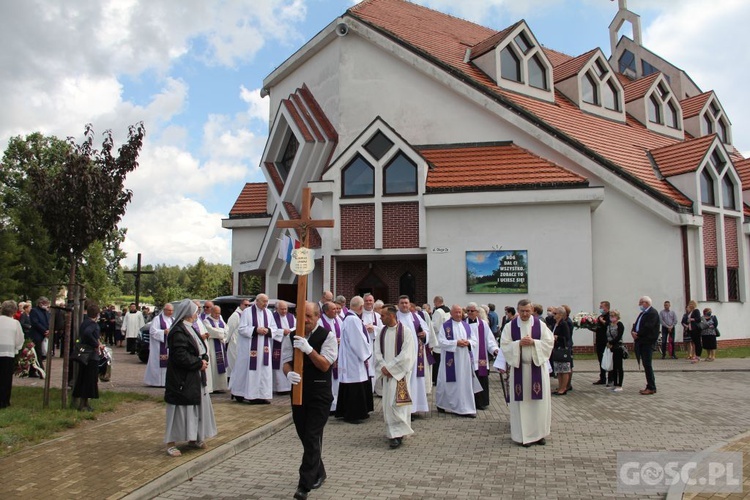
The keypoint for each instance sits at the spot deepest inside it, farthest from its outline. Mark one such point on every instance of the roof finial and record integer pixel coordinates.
(623, 15)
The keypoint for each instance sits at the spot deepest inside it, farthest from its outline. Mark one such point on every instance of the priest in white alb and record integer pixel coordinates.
(354, 402)
(233, 326)
(252, 377)
(457, 381)
(330, 320)
(158, 355)
(527, 344)
(394, 354)
(418, 384)
(282, 349)
(373, 324)
(132, 322)
(217, 349)
(487, 346)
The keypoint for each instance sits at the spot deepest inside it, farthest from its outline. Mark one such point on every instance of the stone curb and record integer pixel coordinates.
(187, 471)
(677, 491)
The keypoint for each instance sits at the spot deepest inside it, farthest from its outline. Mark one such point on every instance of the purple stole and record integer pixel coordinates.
(483, 371)
(254, 341)
(276, 363)
(335, 366)
(450, 361)
(163, 353)
(367, 335)
(399, 339)
(220, 348)
(424, 350)
(536, 371)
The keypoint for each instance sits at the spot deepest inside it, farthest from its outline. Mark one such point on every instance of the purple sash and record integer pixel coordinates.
(327, 326)
(483, 371)
(536, 371)
(399, 339)
(163, 353)
(219, 348)
(449, 356)
(254, 341)
(420, 346)
(276, 363)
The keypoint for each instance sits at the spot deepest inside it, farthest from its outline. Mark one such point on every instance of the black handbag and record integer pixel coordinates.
(82, 354)
(562, 354)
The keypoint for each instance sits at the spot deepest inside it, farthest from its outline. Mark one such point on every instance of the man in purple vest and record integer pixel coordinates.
(527, 344)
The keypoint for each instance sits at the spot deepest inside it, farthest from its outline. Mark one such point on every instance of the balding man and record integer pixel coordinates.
(326, 297)
(282, 348)
(207, 308)
(645, 333)
(156, 369)
(355, 352)
(252, 377)
(457, 382)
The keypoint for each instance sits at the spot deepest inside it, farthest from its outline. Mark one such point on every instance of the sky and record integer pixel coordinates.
(192, 70)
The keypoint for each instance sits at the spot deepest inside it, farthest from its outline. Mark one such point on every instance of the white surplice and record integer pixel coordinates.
(330, 325)
(132, 323)
(216, 332)
(418, 385)
(490, 345)
(529, 419)
(372, 318)
(280, 382)
(258, 383)
(397, 418)
(233, 325)
(354, 350)
(457, 397)
(156, 375)
(209, 374)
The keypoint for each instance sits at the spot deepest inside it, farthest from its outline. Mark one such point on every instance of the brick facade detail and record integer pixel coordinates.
(357, 227)
(401, 225)
(710, 255)
(732, 245)
(350, 273)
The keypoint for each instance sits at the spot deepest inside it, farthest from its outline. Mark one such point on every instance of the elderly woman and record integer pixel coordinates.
(562, 334)
(11, 341)
(190, 416)
(694, 320)
(87, 384)
(709, 333)
(614, 342)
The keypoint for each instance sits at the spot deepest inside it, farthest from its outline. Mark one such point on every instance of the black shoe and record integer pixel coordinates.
(663, 356)
(319, 482)
(394, 443)
(440, 410)
(354, 421)
(300, 494)
(570, 388)
(599, 382)
(541, 442)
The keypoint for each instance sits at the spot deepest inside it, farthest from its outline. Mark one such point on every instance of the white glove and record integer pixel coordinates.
(302, 344)
(293, 378)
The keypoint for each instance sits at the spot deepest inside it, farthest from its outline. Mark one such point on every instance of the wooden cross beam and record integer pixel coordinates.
(302, 226)
(138, 272)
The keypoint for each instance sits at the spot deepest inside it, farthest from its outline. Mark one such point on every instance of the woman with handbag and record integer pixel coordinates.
(694, 319)
(562, 352)
(614, 343)
(190, 416)
(709, 332)
(87, 384)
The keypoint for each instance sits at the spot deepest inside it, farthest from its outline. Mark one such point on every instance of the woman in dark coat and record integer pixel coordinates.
(190, 416)
(709, 334)
(562, 335)
(614, 342)
(694, 319)
(87, 383)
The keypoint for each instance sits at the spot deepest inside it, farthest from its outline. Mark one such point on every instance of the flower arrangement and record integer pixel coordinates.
(584, 320)
(26, 360)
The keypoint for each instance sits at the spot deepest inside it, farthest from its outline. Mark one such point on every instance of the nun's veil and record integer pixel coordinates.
(185, 309)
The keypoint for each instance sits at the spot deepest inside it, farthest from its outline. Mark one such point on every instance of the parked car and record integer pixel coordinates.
(230, 303)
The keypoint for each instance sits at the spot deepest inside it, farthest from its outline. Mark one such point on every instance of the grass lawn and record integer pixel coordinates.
(731, 352)
(26, 423)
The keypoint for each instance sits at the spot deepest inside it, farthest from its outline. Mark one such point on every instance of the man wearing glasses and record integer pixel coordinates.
(207, 308)
(233, 324)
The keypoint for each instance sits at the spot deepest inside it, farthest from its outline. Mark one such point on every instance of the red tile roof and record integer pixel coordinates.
(693, 105)
(743, 170)
(556, 57)
(682, 157)
(572, 66)
(491, 166)
(442, 39)
(491, 41)
(636, 89)
(251, 202)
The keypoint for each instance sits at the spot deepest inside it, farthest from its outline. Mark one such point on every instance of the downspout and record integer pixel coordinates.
(685, 264)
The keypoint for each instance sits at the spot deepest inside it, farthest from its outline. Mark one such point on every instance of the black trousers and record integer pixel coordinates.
(617, 373)
(647, 352)
(7, 367)
(695, 336)
(310, 419)
(667, 341)
(482, 399)
(130, 345)
(435, 368)
(603, 375)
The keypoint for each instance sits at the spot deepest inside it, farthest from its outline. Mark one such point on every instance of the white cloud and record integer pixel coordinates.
(258, 107)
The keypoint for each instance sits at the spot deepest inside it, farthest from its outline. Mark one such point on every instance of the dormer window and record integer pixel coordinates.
(654, 109)
(537, 73)
(400, 176)
(358, 178)
(589, 91)
(707, 188)
(662, 106)
(510, 65)
(523, 43)
(714, 121)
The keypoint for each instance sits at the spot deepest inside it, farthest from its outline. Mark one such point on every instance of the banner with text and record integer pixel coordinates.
(497, 271)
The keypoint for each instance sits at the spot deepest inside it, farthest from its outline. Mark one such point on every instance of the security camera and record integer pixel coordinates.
(342, 29)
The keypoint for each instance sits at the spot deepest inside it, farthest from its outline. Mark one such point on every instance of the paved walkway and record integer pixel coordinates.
(125, 457)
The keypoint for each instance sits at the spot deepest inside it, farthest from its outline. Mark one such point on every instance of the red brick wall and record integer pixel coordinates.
(401, 225)
(709, 240)
(730, 238)
(350, 273)
(357, 227)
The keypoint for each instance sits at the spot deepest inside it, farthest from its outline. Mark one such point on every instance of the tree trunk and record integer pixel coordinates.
(65, 344)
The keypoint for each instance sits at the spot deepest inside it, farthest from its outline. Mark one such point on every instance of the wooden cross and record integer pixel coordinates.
(138, 272)
(302, 226)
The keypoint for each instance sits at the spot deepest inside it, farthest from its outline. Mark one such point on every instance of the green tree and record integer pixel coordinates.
(93, 274)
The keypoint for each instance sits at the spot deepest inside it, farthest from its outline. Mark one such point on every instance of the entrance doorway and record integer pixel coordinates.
(374, 285)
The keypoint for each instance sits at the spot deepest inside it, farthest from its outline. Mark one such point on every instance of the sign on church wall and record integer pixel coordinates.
(497, 271)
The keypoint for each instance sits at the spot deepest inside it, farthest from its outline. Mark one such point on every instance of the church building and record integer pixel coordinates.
(482, 166)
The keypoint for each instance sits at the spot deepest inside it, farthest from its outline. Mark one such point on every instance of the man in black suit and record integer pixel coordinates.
(602, 325)
(320, 349)
(645, 333)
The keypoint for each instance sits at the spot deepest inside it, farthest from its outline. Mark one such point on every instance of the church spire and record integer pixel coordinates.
(623, 15)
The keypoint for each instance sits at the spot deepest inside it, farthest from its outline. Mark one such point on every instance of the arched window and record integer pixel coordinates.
(610, 96)
(510, 65)
(722, 131)
(671, 115)
(358, 178)
(708, 124)
(284, 165)
(727, 193)
(400, 176)
(537, 73)
(589, 90)
(707, 189)
(654, 113)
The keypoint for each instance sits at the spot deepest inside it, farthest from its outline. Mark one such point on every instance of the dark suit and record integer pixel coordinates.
(39, 325)
(601, 344)
(647, 327)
